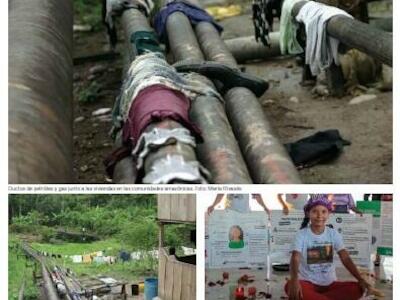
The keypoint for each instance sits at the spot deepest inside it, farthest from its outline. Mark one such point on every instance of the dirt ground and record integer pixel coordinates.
(367, 125)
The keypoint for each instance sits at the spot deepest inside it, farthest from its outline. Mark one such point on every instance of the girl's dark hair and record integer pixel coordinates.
(305, 222)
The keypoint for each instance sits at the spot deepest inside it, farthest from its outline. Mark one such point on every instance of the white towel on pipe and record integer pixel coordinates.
(321, 49)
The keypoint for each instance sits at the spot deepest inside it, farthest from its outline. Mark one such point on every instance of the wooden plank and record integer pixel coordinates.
(164, 206)
(186, 278)
(183, 216)
(161, 272)
(169, 279)
(192, 207)
(177, 287)
(176, 208)
(161, 235)
(192, 282)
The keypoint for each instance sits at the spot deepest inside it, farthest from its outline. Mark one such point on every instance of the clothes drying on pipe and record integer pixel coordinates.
(288, 30)
(321, 49)
(194, 13)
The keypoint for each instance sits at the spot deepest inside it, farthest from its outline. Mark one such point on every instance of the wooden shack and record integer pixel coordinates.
(176, 279)
(176, 208)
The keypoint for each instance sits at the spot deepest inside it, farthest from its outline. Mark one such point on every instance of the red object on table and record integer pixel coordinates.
(239, 293)
(225, 275)
(252, 291)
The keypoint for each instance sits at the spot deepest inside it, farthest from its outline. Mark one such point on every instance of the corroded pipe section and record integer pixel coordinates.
(220, 152)
(125, 170)
(51, 293)
(266, 158)
(213, 51)
(183, 43)
(133, 20)
(40, 91)
(247, 48)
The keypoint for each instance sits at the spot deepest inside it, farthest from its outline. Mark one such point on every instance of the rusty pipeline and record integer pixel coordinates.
(51, 292)
(40, 91)
(266, 158)
(247, 48)
(125, 170)
(219, 153)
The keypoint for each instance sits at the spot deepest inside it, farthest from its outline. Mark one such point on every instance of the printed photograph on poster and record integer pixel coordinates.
(237, 239)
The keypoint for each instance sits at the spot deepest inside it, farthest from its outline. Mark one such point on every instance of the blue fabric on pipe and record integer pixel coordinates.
(193, 12)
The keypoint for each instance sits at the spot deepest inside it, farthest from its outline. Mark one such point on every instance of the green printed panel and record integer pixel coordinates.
(370, 207)
(385, 251)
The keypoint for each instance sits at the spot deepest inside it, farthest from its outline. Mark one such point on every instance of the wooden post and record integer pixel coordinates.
(161, 235)
(123, 292)
(336, 81)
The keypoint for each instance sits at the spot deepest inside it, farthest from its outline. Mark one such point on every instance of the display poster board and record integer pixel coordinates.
(382, 232)
(373, 208)
(357, 235)
(355, 230)
(283, 230)
(385, 246)
(237, 240)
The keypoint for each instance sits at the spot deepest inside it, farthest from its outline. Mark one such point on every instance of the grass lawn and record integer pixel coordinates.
(131, 271)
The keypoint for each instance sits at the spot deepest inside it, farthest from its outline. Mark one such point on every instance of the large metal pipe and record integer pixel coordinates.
(40, 91)
(51, 292)
(49, 288)
(125, 170)
(359, 35)
(247, 48)
(220, 152)
(266, 158)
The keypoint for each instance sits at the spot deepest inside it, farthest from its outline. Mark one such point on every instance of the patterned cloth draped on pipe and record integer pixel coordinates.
(152, 69)
(194, 13)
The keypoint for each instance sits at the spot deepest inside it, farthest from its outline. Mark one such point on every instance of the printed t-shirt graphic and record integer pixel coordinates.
(317, 254)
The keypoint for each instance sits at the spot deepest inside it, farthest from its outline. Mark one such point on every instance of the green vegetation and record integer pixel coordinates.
(131, 219)
(88, 12)
(129, 271)
(122, 222)
(89, 93)
(20, 269)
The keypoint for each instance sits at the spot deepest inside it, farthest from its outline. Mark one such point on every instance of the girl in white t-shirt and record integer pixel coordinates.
(312, 270)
